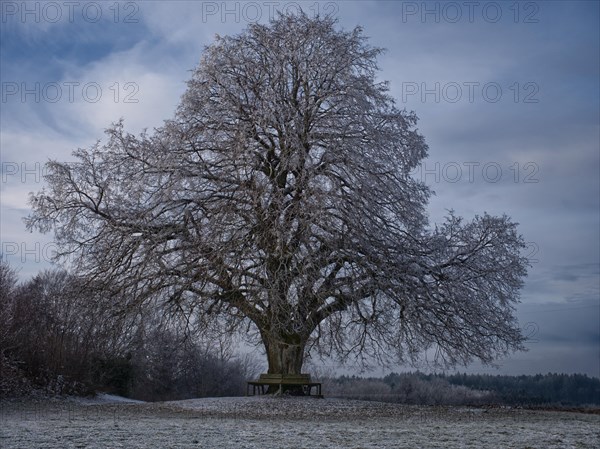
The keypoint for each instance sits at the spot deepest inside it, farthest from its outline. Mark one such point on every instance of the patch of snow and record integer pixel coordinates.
(104, 398)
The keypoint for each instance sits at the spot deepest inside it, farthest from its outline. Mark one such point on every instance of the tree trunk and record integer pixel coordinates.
(285, 354)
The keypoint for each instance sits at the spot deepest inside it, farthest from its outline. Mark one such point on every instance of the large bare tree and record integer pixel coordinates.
(279, 202)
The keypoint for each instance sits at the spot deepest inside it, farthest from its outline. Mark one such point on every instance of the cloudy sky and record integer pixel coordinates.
(507, 94)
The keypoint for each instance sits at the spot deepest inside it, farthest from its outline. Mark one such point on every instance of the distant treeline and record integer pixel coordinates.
(470, 389)
(551, 388)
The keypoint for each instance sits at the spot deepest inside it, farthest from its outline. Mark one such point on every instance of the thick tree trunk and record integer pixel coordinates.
(285, 354)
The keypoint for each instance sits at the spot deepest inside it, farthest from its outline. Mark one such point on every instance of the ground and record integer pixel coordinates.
(285, 422)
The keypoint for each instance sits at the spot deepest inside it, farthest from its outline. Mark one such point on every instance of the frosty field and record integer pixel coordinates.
(268, 423)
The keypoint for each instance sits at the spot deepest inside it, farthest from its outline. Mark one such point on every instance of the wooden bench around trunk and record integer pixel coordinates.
(283, 381)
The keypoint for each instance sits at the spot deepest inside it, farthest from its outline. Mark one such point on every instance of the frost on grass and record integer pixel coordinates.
(266, 422)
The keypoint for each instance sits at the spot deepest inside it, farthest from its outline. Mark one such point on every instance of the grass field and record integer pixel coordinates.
(287, 422)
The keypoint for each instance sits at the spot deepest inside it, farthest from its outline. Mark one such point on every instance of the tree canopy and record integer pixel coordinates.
(278, 202)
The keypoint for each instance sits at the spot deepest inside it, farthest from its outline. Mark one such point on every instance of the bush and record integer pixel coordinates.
(61, 336)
